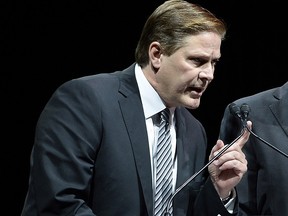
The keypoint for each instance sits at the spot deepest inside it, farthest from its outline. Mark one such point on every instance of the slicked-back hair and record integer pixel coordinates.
(173, 21)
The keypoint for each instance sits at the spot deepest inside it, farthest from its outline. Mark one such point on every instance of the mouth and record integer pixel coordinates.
(196, 91)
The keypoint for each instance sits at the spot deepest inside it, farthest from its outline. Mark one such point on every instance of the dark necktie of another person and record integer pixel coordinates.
(163, 166)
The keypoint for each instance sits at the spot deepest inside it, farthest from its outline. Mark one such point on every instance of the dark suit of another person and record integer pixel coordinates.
(264, 188)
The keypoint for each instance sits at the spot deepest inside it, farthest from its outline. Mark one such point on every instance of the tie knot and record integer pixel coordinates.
(165, 114)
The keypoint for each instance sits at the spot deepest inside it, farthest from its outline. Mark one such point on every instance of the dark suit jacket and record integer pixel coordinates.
(91, 154)
(264, 188)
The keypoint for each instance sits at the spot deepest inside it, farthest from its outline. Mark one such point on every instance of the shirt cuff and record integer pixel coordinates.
(229, 202)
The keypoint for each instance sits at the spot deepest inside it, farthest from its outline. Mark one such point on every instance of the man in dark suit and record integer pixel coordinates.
(95, 141)
(263, 189)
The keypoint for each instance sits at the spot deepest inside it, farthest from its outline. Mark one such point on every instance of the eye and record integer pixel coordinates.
(198, 61)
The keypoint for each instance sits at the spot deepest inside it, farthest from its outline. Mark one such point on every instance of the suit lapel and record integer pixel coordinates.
(183, 176)
(181, 201)
(134, 119)
(279, 109)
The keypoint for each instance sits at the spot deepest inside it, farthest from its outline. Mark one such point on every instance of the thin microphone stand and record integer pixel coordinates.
(201, 170)
(267, 143)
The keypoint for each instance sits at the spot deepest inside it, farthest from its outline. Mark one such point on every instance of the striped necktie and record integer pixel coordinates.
(164, 164)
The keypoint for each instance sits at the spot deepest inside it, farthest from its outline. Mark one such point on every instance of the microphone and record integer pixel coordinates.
(167, 213)
(245, 109)
(235, 110)
(243, 113)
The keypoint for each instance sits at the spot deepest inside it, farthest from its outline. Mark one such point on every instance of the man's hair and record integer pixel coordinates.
(171, 22)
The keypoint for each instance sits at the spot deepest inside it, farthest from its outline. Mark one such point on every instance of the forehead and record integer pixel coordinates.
(207, 43)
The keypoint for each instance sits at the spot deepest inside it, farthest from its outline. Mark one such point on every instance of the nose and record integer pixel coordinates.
(207, 74)
(207, 70)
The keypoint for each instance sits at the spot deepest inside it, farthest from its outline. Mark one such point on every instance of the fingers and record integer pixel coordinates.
(216, 148)
(244, 138)
(249, 124)
(233, 157)
(228, 168)
(235, 160)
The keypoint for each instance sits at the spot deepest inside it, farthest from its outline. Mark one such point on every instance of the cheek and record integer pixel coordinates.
(190, 75)
(185, 80)
(180, 82)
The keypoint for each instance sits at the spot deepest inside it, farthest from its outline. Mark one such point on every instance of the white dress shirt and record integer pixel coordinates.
(152, 105)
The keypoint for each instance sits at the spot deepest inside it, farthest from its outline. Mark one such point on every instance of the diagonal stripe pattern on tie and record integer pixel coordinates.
(163, 165)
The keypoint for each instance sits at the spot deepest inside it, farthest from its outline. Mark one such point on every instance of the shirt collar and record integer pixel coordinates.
(152, 103)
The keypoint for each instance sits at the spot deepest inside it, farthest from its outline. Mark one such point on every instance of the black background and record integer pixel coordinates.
(45, 43)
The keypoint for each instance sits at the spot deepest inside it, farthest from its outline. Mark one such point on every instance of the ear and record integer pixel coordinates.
(155, 54)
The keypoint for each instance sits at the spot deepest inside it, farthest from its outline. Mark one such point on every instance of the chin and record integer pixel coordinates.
(193, 104)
